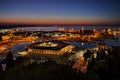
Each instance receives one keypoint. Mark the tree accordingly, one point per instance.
(9, 59)
(0, 36)
(87, 54)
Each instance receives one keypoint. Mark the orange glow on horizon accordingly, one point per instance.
(54, 21)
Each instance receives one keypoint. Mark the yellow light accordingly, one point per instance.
(109, 30)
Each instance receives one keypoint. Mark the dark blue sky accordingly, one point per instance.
(60, 11)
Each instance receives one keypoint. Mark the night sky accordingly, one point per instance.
(60, 11)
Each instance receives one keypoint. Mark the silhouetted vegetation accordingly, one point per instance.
(0, 36)
(101, 68)
(43, 71)
(105, 67)
(9, 60)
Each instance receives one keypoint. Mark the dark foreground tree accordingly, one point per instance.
(0, 36)
(9, 59)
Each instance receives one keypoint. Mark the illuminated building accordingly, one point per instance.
(5, 37)
(49, 49)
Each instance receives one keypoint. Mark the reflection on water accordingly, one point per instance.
(112, 43)
(19, 47)
(82, 45)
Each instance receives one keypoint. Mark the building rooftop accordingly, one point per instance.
(48, 45)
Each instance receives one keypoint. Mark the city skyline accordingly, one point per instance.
(60, 11)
